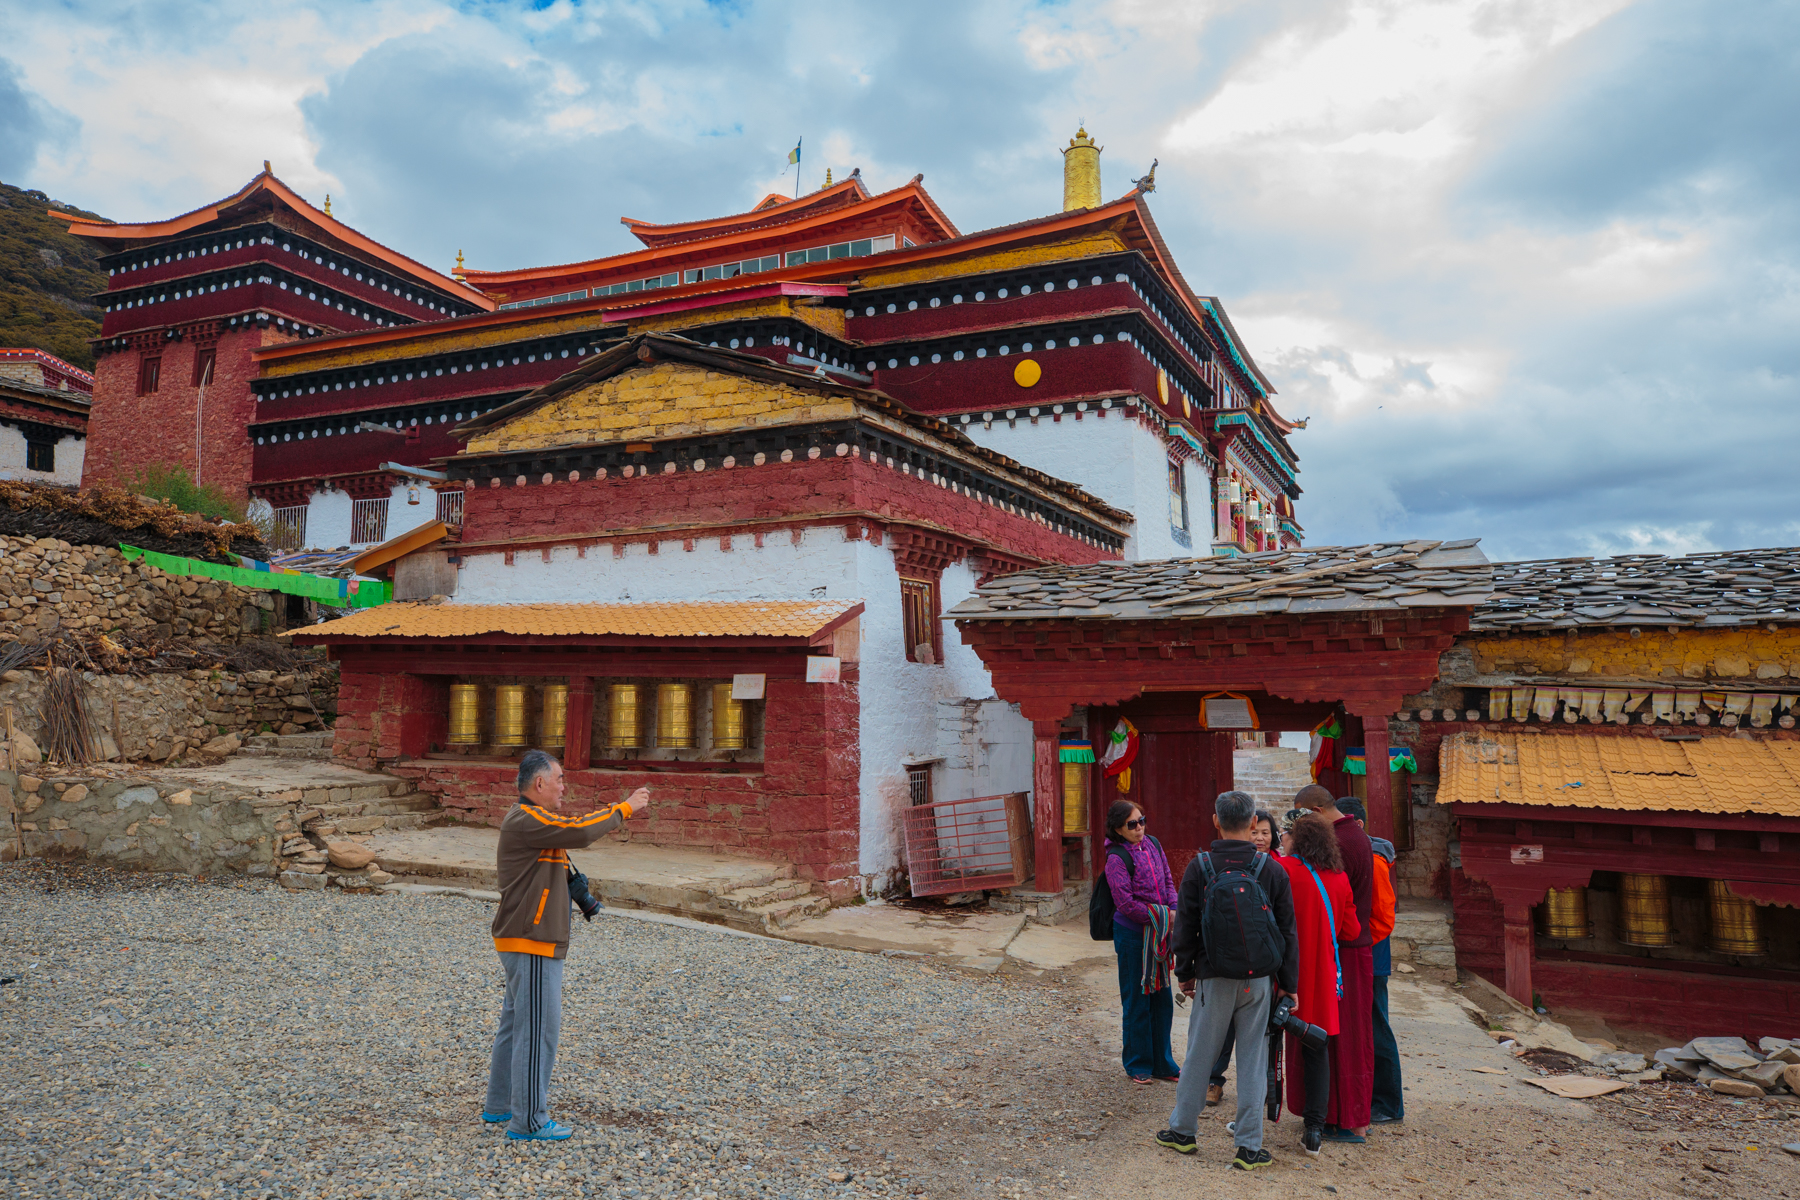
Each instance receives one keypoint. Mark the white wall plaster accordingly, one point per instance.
(1115, 458)
(328, 517)
(71, 450)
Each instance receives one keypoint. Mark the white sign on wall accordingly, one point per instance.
(822, 670)
(748, 687)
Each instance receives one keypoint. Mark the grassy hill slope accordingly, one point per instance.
(46, 279)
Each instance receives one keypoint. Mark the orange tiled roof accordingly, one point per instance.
(732, 618)
(1712, 775)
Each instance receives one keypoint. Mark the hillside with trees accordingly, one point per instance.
(47, 279)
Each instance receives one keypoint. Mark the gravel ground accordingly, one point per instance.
(171, 1037)
(167, 1036)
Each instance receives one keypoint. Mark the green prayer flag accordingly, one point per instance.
(323, 588)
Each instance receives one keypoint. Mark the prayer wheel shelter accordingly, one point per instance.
(1181, 655)
(1614, 744)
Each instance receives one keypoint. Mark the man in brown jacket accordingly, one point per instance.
(531, 932)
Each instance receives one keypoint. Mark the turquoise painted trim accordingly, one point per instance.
(1231, 345)
(1192, 441)
(1243, 418)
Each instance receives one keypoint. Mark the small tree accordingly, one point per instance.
(175, 485)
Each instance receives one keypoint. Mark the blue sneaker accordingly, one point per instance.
(496, 1118)
(554, 1131)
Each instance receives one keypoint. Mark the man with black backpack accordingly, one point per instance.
(1234, 943)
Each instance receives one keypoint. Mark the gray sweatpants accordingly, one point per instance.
(525, 1045)
(1221, 1004)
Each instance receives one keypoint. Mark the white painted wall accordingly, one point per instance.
(328, 517)
(1116, 459)
(71, 449)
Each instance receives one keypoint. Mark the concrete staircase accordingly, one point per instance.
(1423, 932)
(1272, 774)
(288, 745)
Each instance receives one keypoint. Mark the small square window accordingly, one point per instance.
(817, 253)
(860, 248)
(204, 363)
(40, 456)
(918, 784)
(149, 376)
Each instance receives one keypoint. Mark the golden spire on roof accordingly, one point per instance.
(328, 204)
(1081, 171)
(267, 170)
(827, 176)
(458, 272)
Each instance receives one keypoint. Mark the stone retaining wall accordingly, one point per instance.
(160, 717)
(48, 585)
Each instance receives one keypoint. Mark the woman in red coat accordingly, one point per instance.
(1324, 915)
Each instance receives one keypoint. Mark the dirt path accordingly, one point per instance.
(1039, 1112)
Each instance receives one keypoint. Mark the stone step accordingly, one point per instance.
(1044, 908)
(768, 893)
(781, 914)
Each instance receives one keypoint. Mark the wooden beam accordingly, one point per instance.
(1046, 786)
(1521, 949)
(578, 726)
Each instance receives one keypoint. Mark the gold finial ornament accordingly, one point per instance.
(267, 170)
(328, 204)
(458, 272)
(827, 176)
(1081, 171)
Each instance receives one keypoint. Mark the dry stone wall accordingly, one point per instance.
(161, 717)
(49, 586)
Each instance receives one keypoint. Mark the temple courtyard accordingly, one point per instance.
(171, 1037)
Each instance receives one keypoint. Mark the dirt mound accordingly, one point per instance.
(106, 516)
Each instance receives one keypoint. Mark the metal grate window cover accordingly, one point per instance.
(964, 845)
(289, 528)
(450, 508)
(368, 521)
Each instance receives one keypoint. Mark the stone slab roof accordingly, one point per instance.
(1734, 587)
(1383, 576)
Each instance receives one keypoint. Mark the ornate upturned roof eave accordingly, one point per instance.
(1717, 590)
(1382, 577)
(271, 192)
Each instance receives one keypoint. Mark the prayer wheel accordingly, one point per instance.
(556, 715)
(1565, 913)
(625, 715)
(675, 715)
(511, 728)
(465, 714)
(1644, 911)
(1075, 797)
(728, 731)
(1736, 923)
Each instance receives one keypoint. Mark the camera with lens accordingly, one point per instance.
(1282, 1018)
(583, 899)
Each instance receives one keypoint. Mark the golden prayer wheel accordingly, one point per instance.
(625, 715)
(1736, 924)
(556, 714)
(510, 726)
(728, 731)
(675, 715)
(1644, 911)
(465, 714)
(1074, 797)
(1565, 913)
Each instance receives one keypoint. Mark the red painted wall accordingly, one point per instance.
(127, 432)
(987, 385)
(803, 807)
(719, 496)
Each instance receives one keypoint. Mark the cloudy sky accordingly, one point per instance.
(1532, 269)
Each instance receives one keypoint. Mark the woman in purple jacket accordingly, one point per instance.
(1144, 895)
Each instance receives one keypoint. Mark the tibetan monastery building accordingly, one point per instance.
(327, 373)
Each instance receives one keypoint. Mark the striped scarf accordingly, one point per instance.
(1156, 950)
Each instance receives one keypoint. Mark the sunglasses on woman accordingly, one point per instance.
(1136, 823)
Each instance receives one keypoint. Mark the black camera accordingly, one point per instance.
(584, 899)
(1282, 1018)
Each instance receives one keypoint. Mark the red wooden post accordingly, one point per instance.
(578, 723)
(1521, 949)
(1046, 790)
(1379, 788)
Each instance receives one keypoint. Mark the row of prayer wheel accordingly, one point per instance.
(627, 708)
(1736, 925)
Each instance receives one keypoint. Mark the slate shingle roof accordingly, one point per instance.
(1735, 587)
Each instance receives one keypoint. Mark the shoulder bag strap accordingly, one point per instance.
(1331, 920)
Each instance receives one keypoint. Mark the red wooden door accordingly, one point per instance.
(1175, 780)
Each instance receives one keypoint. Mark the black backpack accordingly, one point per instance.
(1237, 927)
(1100, 904)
